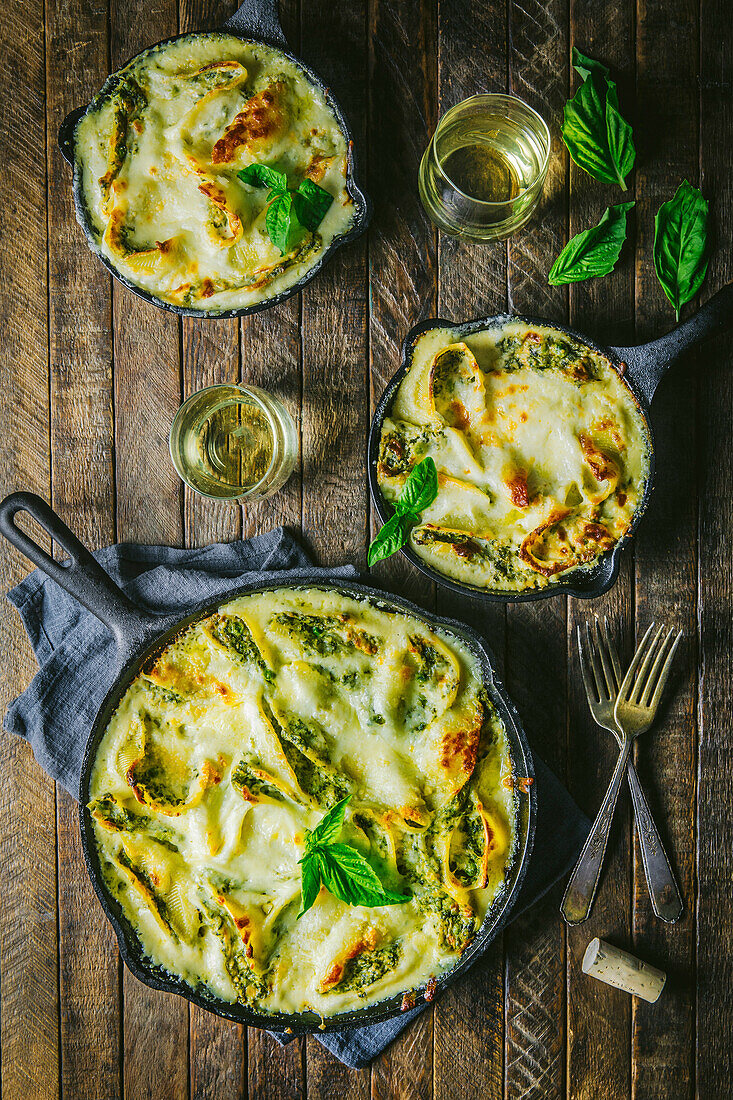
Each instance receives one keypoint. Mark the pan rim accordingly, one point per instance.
(362, 202)
(588, 584)
(390, 1008)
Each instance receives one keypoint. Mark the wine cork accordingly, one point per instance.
(624, 971)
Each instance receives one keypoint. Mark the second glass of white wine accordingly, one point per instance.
(482, 174)
(233, 443)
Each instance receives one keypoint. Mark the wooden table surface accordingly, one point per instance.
(90, 378)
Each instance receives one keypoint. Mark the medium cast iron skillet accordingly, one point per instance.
(254, 21)
(641, 369)
(141, 634)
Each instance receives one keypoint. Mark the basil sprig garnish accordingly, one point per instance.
(307, 205)
(598, 137)
(593, 252)
(418, 493)
(681, 245)
(340, 868)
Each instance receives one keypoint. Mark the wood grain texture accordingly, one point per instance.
(469, 1032)
(402, 241)
(472, 280)
(599, 1020)
(402, 279)
(82, 446)
(275, 1072)
(29, 1044)
(90, 377)
(335, 414)
(149, 509)
(218, 1057)
(536, 649)
(334, 322)
(666, 552)
(714, 1051)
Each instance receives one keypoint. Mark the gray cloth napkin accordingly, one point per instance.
(78, 662)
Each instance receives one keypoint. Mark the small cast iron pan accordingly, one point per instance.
(254, 21)
(640, 368)
(141, 634)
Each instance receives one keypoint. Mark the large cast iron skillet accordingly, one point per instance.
(641, 369)
(254, 21)
(139, 635)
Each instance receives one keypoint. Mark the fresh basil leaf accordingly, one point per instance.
(680, 245)
(311, 204)
(587, 65)
(278, 221)
(329, 827)
(420, 489)
(261, 175)
(418, 493)
(598, 137)
(390, 538)
(349, 877)
(593, 252)
(310, 878)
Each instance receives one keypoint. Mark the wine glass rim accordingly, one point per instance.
(255, 394)
(496, 96)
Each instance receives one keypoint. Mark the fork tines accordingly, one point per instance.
(600, 668)
(647, 674)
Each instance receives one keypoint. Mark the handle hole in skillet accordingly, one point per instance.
(40, 536)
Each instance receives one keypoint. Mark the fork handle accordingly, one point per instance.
(583, 883)
(663, 890)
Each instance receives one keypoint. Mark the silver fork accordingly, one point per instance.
(638, 697)
(602, 677)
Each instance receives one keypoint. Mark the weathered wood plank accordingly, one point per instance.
(149, 509)
(536, 649)
(29, 1048)
(82, 444)
(275, 1072)
(403, 262)
(469, 1032)
(666, 557)
(405, 1070)
(472, 280)
(210, 349)
(402, 242)
(271, 359)
(218, 1057)
(335, 385)
(598, 1018)
(334, 323)
(328, 1077)
(714, 1052)
(210, 355)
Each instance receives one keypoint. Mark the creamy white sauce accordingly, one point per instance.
(395, 752)
(152, 219)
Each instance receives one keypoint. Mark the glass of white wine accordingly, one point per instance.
(482, 174)
(233, 443)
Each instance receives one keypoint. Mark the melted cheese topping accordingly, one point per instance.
(233, 744)
(159, 150)
(541, 450)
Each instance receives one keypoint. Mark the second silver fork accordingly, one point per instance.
(602, 678)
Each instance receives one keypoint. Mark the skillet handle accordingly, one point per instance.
(648, 362)
(84, 578)
(258, 19)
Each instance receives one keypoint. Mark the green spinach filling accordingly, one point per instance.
(367, 968)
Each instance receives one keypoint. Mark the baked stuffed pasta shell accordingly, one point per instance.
(541, 450)
(159, 151)
(232, 745)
